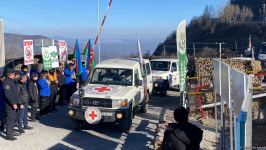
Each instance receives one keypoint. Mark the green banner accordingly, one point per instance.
(46, 57)
(182, 54)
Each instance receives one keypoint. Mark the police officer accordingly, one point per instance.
(11, 103)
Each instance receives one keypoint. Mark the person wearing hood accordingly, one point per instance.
(24, 101)
(182, 135)
(34, 96)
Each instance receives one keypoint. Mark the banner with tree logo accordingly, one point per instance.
(46, 57)
(54, 56)
(182, 54)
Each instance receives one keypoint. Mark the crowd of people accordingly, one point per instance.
(40, 92)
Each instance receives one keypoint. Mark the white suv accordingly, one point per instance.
(115, 91)
(167, 70)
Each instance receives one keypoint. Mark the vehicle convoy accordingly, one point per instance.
(165, 75)
(114, 93)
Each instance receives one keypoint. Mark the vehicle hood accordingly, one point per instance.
(104, 91)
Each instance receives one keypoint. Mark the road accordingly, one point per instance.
(54, 131)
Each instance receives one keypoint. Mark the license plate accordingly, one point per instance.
(109, 114)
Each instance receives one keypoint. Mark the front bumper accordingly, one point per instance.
(108, 115)
(159, 86)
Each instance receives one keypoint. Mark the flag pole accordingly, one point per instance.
(98, 15)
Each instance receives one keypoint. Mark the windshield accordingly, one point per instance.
(160, 65)
(112, 76)
(263, 49)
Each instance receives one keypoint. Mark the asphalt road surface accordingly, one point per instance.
(54, 131)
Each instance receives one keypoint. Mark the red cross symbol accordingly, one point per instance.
(102, 89)
(92, 115)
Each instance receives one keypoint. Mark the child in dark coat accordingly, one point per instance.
(34, 96)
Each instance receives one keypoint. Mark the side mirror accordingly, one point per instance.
(81, 92)
(138, 82)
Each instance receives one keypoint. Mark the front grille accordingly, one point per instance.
(97, 102)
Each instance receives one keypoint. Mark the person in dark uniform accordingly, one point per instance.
(34, 97)
(182, 135)
(11, 103)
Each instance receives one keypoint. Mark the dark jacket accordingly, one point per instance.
(34, 93)
(44, 88)
(2, 97)
(23, 93)
(11, 91)
(182, 136)
(61, 79)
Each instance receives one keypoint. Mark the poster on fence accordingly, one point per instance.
(225, 85)
(28, 52)
(238, 86)
(54, 56)
(216, 76)
(46, 57)
(62, 47)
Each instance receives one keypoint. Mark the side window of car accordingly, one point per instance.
(174, 68)
(148, 68)
(144, 70)
(136, 74)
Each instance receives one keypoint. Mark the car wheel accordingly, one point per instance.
(144, 106)
(76, 124)
(164, 93)
(127, 121)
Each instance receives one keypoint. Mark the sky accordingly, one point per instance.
(151, 20)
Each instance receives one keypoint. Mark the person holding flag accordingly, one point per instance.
(86, 65)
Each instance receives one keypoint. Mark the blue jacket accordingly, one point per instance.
(2, 97)
(44, 88)
(84, 74)
(68, 77)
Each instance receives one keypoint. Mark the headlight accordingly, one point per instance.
(74, 100)
(119, 103)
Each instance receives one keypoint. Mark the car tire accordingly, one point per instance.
(127, 120)
(144, 106)
(76, 124)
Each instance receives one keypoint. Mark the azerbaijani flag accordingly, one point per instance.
(92, 58)
(87, 53)
(78, 64)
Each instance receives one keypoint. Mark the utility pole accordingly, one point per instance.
(163, 50)
(236, 46)
(194, 50)
(98, 15)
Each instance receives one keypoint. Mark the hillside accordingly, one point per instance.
(14, 44)
(234, 31)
